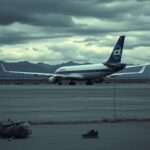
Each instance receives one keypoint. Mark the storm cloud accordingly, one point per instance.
(73, 30)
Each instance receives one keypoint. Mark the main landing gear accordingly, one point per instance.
(60, 83)
(89, 82)
(72, 83)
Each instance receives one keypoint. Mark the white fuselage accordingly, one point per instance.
(91, 71)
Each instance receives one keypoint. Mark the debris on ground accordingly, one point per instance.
(11, 129)
(91, 134)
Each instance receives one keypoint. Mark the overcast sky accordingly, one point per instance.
(56, 31)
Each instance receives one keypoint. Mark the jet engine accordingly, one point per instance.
(53, 79)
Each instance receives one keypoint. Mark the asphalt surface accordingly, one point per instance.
(78, 103)
(55, 103)
(115, 136)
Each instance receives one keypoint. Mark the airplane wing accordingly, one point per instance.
(61, 76)
(129, 73)
(133, 66)
(27, 73)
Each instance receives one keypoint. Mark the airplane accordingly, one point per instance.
(89, 72)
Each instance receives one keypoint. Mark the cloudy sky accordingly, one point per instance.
(56, 31)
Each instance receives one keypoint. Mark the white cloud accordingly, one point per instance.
(83, 31)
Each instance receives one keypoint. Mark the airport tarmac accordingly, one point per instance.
(74, 103)
(78, 103)
(116, 136)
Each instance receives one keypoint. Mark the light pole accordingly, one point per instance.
(114, 97)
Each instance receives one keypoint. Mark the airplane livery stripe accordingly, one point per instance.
(84, 71)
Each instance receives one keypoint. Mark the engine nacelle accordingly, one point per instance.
(53, 80)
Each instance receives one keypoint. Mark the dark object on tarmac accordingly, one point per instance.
(91, 134)
(11, 129)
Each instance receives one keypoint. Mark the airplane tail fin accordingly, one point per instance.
(115, 57)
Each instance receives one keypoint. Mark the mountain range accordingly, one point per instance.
(31, 67)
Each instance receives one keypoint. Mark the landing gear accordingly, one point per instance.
(60, 83)
(72, 83)
(101, 80)
(89, 82)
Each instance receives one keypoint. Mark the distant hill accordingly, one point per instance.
(26, 66)
(53, 68)
(31, 67)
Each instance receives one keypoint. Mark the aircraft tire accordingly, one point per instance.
(72, 83)
(59, 83)
(89, 83)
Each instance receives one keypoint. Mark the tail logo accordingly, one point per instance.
(117, 51)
